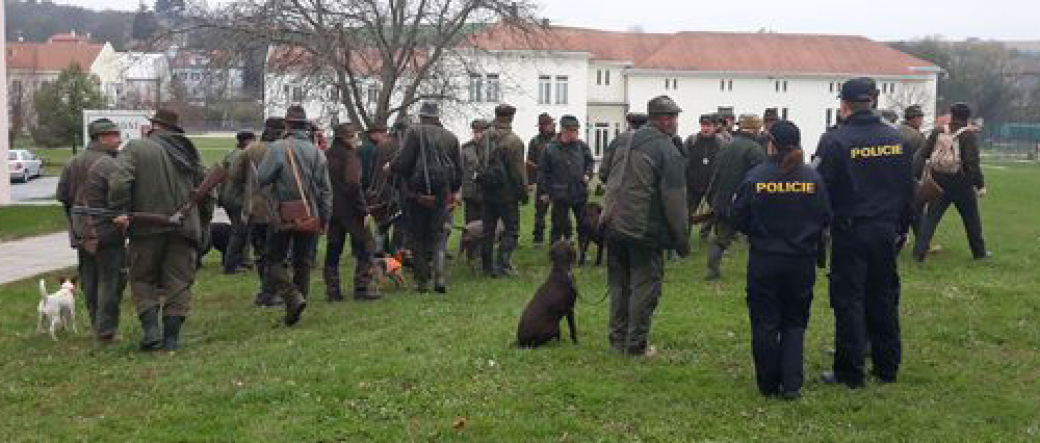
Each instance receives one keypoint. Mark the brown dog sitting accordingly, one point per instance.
(554, 300)
(588, 232)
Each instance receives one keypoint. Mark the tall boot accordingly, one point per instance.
(714, 260)
(505, 265)
(294, 306)
(332, 288)
(302, 280)
(152, 339)
(439, 284)
(171, 332)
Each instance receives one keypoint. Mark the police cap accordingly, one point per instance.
(861, 89)
(707, 119)
(662, 104)
(785, 135)
(102, 126)
(771, 115)
(505, 110)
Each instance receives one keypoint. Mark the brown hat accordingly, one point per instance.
(750, 123)
(504, 110)
(295, 113)
(167, 118)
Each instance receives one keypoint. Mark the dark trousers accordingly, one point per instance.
(561, 219)
(540, 211)
(359, 246)
(779, 295)
(634, 276)
(962, 195)
(426, 235)
(280, 244)
(508, 212)
(864, 292)
(239, 241)
(258, 239)
(474, 210)
(102, 279)
(162, 271)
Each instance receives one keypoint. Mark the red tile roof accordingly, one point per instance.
(717, 51)
(56, 54)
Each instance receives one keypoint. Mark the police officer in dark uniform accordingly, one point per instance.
(783, 208)
(866, 167)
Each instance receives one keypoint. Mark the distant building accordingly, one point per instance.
(31, 65)
(142, 81)
(207, 75)
(599, 76)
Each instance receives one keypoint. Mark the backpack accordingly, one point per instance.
(491, 172)
(435, 172)
(946, 157)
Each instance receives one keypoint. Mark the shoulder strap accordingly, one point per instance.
(296, 173)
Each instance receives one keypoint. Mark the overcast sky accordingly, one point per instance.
(877, 19)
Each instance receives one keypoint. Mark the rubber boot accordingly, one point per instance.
(302, 280)
(332, 288)
(152, 339)
(171, 332)
(714, 260)
(505, 265)
(294, 307)
(438, 271)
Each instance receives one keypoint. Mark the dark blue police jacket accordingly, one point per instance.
(782, 213)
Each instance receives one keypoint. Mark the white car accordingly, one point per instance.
(23, 165)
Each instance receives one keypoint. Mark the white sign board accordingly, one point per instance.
(133, 124)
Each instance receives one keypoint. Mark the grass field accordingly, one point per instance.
(24, 221)
(438, 368)
(212, 150)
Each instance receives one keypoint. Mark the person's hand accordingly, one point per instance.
(585, 179)
(122, 221)
(980, 192)
(544, 198)
(386, 168)
(530, 189)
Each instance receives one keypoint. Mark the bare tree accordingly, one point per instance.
(375, 57)
(909, 94)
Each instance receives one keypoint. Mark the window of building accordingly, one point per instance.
(494, 89)
(373, 93)
(599, 76)
(561, 89)
(606, 77)
(783, 113)
(729, 85)
(726, 85)
(830, 112)
(298, 94)
(780, 85)
(602, 137)
(544, 90)
(722, 85)
(476, 87)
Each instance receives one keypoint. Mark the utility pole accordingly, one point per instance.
(5, 115)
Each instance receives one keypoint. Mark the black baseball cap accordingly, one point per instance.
(860, 89)
(785, 135)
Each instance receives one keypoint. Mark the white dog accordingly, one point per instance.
(58, 309)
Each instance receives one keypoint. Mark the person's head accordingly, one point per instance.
(857, 95)
(914, 116)
(430, 113)
(296, 119)
(785, 146)
(166, 120)
(378, 134)
(569, 127)
(664, 114)
(960, 114)
(478, 127)
(636, 120)
(345, 133)
(244, 138)
(769, 117)
(889, 115)
(504, 114)
(707, 122)
(750, 124)
(274, 127)
(105, 132)
(546, 125)
(727, 121)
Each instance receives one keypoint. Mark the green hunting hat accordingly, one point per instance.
(662, 105)
(102, 126)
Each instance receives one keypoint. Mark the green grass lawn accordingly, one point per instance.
(439, 368)
(211, 149)
(25, 221)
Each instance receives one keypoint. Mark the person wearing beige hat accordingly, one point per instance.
(732, 163)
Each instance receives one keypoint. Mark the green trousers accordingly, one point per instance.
(634, 274)
(102, 279)
(162, 271)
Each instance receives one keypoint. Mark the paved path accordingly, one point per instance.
(31, 256)
(40, 188)
(35, 255)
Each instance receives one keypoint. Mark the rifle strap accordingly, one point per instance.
(296, 174)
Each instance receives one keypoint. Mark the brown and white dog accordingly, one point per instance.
(57, 309)
(472, 237)
(554, 300)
